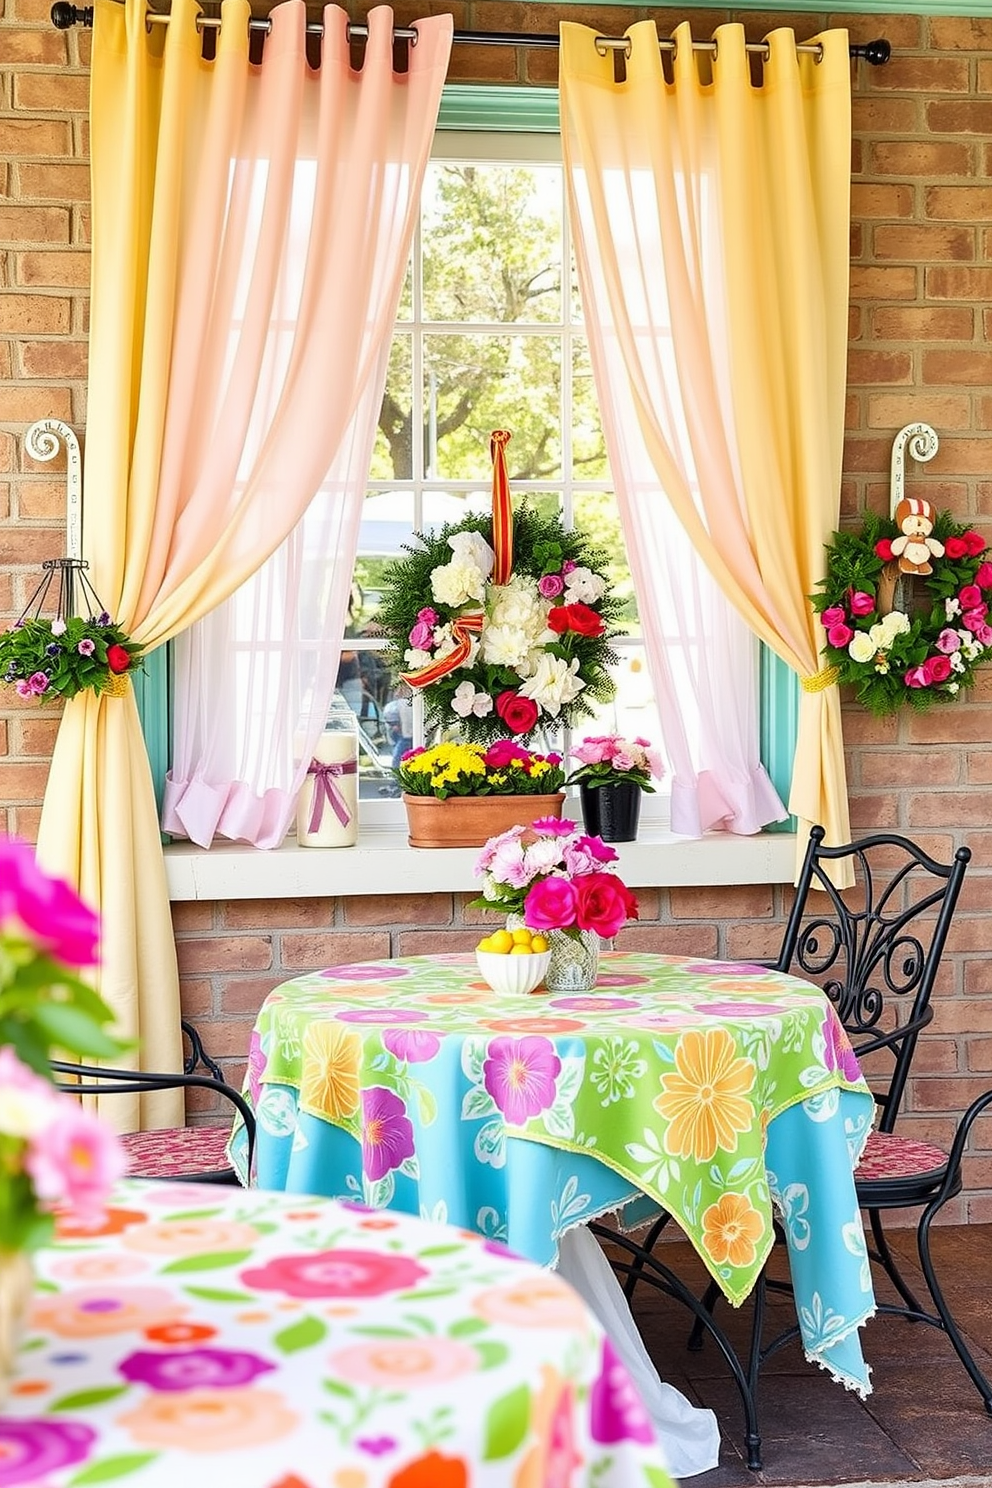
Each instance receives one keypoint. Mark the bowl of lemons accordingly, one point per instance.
(514, 962)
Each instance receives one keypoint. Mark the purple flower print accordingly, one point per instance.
(415, 1045)
(615, 1410)
(368, 972)
(31, 1449)
(378, 1015)
(520, 1075)
(193, 1369)
(376, 1445)
(725, 968)
(838, 1054)
(738, 1009)
(387, 1135)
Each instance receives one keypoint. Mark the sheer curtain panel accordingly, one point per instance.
(224, 389)
(710, 215)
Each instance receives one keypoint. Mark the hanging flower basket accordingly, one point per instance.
(502, 623)
(45, 659)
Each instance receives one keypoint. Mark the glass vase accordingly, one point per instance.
(574, 961)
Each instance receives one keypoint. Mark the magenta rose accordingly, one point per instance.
(937, 668)
(984, 634)
(983, 578)
(335, 1273)
(47, 907)
(550, 585)
(916, 677)
(839, 636)
(860, 602)
(605, 904)
(422, 636)
(32, 1447)
(970, 596)
(974, 541)
(973, 620)
(955, 547)
(518, 713)
(551, 904)
(884, 549)
(836, 615)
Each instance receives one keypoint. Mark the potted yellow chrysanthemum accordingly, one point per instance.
(461, 794)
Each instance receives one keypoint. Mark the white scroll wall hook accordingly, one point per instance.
(42, 443)
(922, 442)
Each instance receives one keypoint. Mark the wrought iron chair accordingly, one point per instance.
(189, 1154)
(875, 949)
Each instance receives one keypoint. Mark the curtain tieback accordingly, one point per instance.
(325, 789)
(821, 680)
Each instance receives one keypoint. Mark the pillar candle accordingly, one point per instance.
(328, 795)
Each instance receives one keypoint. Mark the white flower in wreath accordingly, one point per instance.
(861, 647)
(952, 607)
(895, 623)
(416, 660)
(505, 645)
(472, 548)
(972, 648)
(519, 604)
(958, 663)
(455, 583)
(953, 687)
(555, 682)
(584, 586)
(466, 702)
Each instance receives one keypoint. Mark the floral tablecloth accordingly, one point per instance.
(711, 1088)
(206, 1336)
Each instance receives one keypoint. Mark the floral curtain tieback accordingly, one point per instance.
(80, 647)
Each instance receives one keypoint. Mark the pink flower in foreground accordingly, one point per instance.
(586, 854)
(551, 904)
(916, 677)
(836, 615)
(520, 1076)
(550, 585)
(604, 904)
(86, 647)
(554, 826)
(75, 1160)
(970, 596)
(948, 641)
(46, 907)
(860, 602)
(422, 636)
(839, 636)
(38, 683)
(937, 668)
(428, 615)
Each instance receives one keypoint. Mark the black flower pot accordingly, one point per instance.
(611, 811)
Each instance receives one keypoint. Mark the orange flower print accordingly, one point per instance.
(94, 1312)
(703, 1101)
(731, 1229)
(541, 1301)
(433, 1470)
(69, 1226)
(332, 1058)
(181, 1237)
(210, 1420)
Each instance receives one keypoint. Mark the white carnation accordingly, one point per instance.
(455, 583)
(415, 659)
(504, 645)
(895, 623)
(519, 604)
(554, 683)
(583, 585)
(471, 549)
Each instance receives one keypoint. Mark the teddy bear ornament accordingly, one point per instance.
(914, 547)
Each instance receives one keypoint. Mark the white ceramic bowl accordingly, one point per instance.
(514, 975)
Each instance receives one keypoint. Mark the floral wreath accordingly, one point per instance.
(894, 656)
(502, 622)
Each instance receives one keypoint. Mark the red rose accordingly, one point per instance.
(955, 547)
(970, 596)
(884, 549)
(937, 668)
(117, 659)
(604, 904)
(518, 713)
(974, 541)
(983, 577)
(577, 617)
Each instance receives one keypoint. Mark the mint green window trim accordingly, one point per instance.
(507, 110)
(153, 694)
(778, 726)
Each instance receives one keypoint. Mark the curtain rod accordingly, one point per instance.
(65, 14)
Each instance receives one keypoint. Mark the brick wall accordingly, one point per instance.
(921, 315)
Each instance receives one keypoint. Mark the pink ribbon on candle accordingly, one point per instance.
(324, 789)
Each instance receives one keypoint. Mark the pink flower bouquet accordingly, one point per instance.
(52, 1152)
(555, 876)
(606, 759)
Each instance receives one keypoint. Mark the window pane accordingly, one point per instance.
(492, 243)
(597, 515)
(392, 455)
(588, 444)
(475, 384)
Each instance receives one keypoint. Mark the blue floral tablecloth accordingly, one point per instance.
(717, 1090)
(202, 1337)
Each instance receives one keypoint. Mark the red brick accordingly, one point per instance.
(55, 270)
(299, 953)
(942, 411)
(923, 322)
(435, 942)
(35, 137)
(63, 181)
(227, 953)
(919, 244)
(868, 367)
(54, 92)
(970, 368)
(671, 940)
(888, 282)
(958, 283)
(189, 916)
(920, 158)
(277, 914)
(37, 315)
(398, 909)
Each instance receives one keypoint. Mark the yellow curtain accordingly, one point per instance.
(192, 160)
(752, 460)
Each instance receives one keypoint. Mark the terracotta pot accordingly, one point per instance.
(469, 821)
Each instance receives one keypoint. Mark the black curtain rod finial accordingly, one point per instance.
(877, 53)
(66, 15)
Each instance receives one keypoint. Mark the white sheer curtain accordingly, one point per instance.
(703, 658)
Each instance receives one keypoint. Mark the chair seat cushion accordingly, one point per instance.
(888, 1156)
(177, 1152)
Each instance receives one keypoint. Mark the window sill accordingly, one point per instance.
(384, 863)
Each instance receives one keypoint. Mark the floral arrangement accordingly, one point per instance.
(52, 1151)
(606, 759)
(556, 877)
(504, 768)
(893, 657)
(48, 659)
(509, 657)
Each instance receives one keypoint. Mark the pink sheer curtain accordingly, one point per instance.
(281, 354)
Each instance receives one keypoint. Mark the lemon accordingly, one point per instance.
(521, 937)
(500, 941)
(539, 943)
(485, 945)
(520, 950)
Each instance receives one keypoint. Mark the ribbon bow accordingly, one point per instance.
(464, 627)
(325, 789)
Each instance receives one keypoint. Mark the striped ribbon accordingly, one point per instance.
(467, 626)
